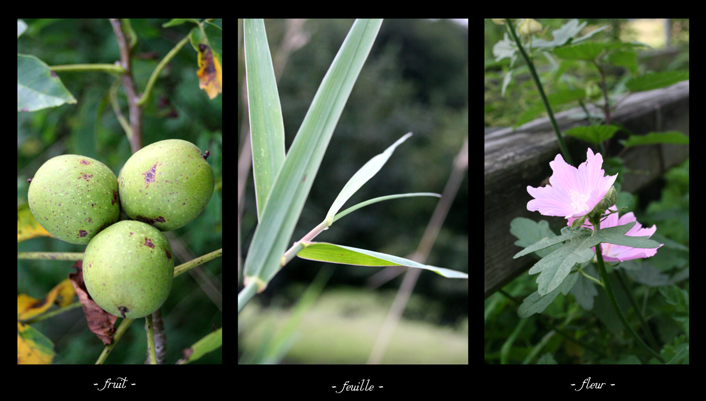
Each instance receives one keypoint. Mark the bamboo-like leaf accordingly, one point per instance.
(266, 125)
(293, 183)
(362, 176)
(380, 199)
(332, 253)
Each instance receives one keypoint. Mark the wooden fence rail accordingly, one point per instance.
(516, 159)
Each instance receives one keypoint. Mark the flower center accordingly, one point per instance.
(578, 201)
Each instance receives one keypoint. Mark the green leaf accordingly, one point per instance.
(594, 134)
(293, 183)
(562, 35)
(566, 235)
(555, 267)
(380, 199)
(529, 232)
(266, 125)
(674, 137)
(537, 303)
(585, 290)
(588, 51)
(624, 58)
(362, 176)
(38, 87)
(332, 253)
(656, 80)
(208, 343)
(616, 235)
(505, 48)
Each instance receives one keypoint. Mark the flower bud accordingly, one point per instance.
(609, 199)
(529, 27)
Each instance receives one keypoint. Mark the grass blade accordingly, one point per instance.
(295, 178)
(266, 125)
(332, 253)
(362, 176)
(380, 199)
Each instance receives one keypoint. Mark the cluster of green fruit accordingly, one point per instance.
(128, 265)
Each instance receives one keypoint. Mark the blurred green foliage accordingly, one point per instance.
(521, 94)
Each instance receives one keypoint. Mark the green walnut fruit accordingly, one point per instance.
(74, 197)
(128, 269)
(166, 184)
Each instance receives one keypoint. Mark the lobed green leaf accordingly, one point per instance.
(537, 303)
(616, 235)
(555, 267)
(549, 241)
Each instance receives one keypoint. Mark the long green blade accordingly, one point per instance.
(380, 199)
(332, 253)
(362, 176)
(294, 180)
(266, 125)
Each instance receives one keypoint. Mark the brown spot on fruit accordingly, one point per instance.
(158, 219)
(115, 197)
(82, 233)
(148, 242)
(29, 180)
(169, 255)
(84, 162)
(150, 174)
(206, 155)
(86, 176)
(123, 310)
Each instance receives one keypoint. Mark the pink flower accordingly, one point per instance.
(621, 253)
(572, 192)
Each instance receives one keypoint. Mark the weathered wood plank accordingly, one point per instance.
(514, 160)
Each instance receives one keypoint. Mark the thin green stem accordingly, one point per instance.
(150, 340)
(50, 255)
(155, 74)
(590, 278)
(110, 68)
(246, 294)
(183, 268)
(645, 328)
(124, 325)
(616, 308)
(535, 77)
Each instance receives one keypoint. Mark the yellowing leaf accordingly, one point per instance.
(209, 73)
(27, 225)
(33, 347)
(28, 307)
